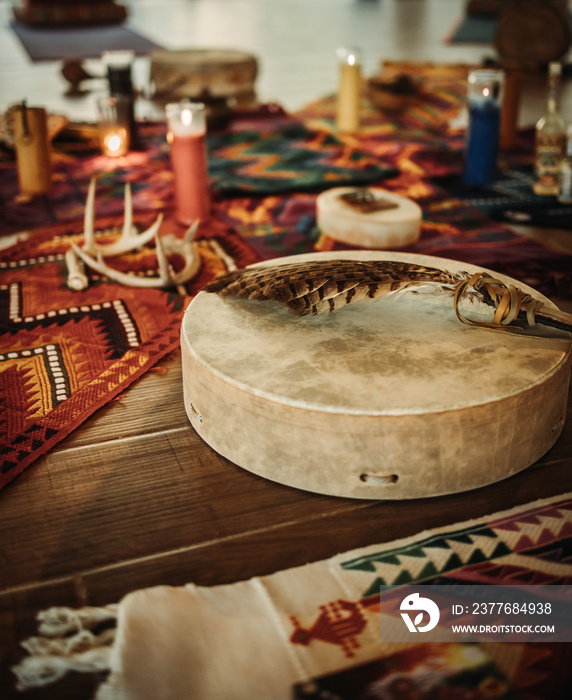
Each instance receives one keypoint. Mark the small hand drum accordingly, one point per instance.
(388, 399)
(531, 33)
(368, 217)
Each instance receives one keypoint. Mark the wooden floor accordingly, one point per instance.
(135, 498)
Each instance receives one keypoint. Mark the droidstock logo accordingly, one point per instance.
(415, 604)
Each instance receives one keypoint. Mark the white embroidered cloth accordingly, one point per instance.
(257, 638)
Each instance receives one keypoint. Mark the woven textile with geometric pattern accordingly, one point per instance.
(257, 155)
(289, 159)
(64, 354)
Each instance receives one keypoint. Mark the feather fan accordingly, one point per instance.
(323, 286)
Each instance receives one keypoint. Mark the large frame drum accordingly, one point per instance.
(387, 400)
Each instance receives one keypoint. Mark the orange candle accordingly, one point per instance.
(187, 136)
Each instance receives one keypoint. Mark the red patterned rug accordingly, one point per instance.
(63, 353)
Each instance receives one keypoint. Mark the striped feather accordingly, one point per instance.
(323, 286)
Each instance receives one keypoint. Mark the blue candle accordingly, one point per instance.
(482, 140)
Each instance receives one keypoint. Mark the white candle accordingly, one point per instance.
(349, 90)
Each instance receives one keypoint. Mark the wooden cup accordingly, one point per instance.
(32, 150)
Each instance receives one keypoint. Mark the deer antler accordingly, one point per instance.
(92, 254)
(186, 248)
(167, 277)
(130, 239)
(77, 279)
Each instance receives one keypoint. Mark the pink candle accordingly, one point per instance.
(187, 136)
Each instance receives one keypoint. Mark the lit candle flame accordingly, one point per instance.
(114, 143)
(351, 60)
(486, 92)
(186, 117)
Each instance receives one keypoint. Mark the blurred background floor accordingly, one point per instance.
(294, 40)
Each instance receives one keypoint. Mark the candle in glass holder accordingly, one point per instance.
(113, 130)
(118, 65)
(482, 139)
(187, 137)
(347, 116)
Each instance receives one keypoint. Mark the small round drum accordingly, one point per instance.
(203, 74)
(383, 219)
(389, 399)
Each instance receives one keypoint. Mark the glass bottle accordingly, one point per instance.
(565, 179)
(550, 138)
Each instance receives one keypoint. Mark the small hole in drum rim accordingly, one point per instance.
(376, 479)
(196, 413)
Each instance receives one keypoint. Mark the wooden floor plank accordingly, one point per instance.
(263, 551)
(115, 504)
(151, 403)
(129, 497)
